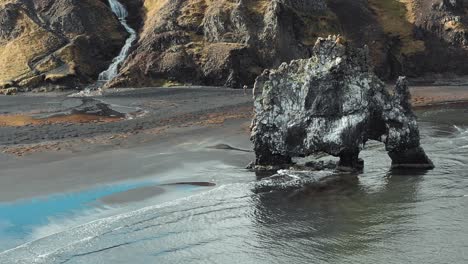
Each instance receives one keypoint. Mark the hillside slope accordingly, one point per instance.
(56, 42)
(230, 42)
(223, 42)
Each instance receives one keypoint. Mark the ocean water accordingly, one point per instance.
(377, 216)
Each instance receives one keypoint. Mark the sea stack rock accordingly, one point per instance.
(333, 103)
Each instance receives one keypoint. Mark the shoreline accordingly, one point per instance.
(427, 96)
(154, 112)
(173, 115)
(132, 110)
(48, 158)
(185, 145)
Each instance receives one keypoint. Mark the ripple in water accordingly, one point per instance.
(379, 216)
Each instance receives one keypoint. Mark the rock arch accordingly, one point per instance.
(333, 102)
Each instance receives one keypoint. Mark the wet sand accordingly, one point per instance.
(18, 120)
(162, 129)
(133, 195)
(69, 154)
(423, 96)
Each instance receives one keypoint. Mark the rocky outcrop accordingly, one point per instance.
(229, 42)
(442, 26)
(333, 103)
(222, 42)
(444, 19)
(56, 42)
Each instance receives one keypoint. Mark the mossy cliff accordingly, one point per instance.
(230, 42)
(222, 42)
(56, 42)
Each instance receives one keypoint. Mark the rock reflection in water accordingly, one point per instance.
(337, 218)
(378, 216)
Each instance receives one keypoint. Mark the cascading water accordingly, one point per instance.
(94, 90)
(122, 14)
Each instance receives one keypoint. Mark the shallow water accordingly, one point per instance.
(379, 216)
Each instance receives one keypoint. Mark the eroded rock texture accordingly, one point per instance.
(440, 26)
(230, 42)
(221, 42)
(334, 103)
(57, 42)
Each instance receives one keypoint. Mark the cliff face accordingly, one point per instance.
(224, 42)
(56, 41)
(229, 42)
(442, 26)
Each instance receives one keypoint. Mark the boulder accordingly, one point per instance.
(9, 91)
(334, 103)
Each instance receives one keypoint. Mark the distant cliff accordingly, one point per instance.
(58, 42)
(223, 42)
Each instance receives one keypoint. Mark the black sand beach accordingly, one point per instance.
(156, 120)
(170, 161)
(121, 120)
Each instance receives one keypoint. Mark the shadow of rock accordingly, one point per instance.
(339, 214)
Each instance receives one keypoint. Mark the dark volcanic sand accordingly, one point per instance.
(177, 142)
(159, 117)
(147, 109)
(57, 157)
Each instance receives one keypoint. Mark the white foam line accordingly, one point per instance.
(109, 220)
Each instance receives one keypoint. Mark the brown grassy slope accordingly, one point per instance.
(220, 42)
(56, 40)
(33, 41)
(396, 19)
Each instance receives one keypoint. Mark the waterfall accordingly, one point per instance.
(119, 10)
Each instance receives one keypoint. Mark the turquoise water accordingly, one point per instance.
(378, 216)
(19, 219)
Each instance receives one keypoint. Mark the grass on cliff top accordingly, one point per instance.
(153, 6)
(411, 6)
(4, 2)
(395, 17)
(192, 13)
(259, 7)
